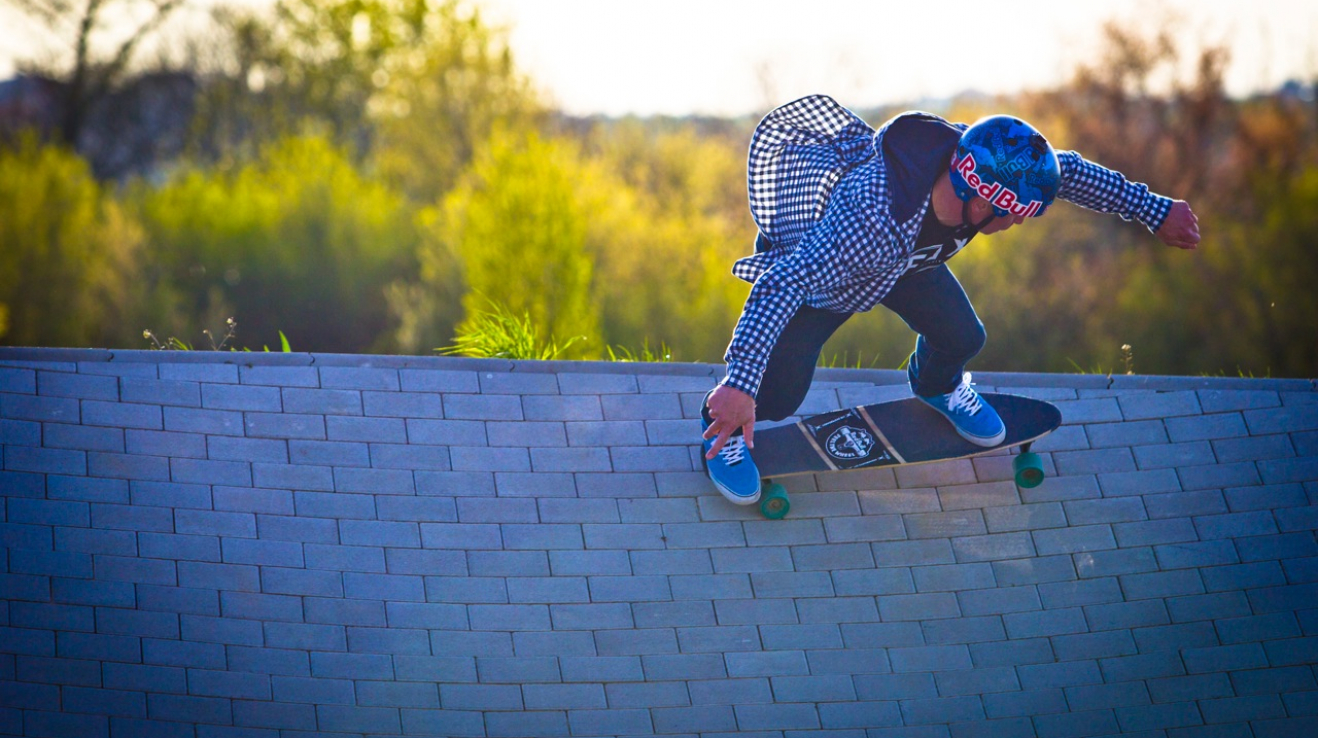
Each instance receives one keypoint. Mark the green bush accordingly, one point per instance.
(516, 229)
(297, 240)
(68, 252)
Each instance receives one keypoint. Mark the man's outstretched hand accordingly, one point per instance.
(731, 409)
(1181, 228)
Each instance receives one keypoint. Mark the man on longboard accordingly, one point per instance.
(850, 218)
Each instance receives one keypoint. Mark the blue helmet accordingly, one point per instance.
(1007, 162)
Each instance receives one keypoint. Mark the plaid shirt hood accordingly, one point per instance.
(823, 194)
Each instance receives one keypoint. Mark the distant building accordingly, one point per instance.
(1297, 90)
(134, 129)
(28, 102)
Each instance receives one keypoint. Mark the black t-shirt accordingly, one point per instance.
(937, 243)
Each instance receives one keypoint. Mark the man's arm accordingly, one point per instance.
(1095, 187)
(773, 301)
(847, 241)
(1104, 190)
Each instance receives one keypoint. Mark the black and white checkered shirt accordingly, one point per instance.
(819, 192)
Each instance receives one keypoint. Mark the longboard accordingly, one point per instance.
(892, 433)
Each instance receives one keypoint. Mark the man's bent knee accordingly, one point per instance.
(975, 339)
(963, 345)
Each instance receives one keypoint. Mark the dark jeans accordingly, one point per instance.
(932, 303)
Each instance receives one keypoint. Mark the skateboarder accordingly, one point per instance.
(850, 218)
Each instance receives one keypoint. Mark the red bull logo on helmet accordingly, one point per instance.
(996, 193)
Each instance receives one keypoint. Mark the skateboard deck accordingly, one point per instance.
(893, 433)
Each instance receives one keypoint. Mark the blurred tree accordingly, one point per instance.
(296, 240)
(411, 85)
(1142, 109)
(369, 171)
(88, 74)
(68, 253)
(1246, 303)
(666, 225)
(437, 103)
(627, 238)
(303, 64)
(516, 228)
(1238, 303)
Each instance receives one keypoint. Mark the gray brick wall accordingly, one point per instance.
(294, 546)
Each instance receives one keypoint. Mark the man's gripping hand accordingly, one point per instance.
(730, 409)
(1181, 227)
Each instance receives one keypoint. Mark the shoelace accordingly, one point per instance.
(733, 451)
(964, 398)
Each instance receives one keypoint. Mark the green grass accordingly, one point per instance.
(646, 354)
(498, 333)
(174, 343)
(1240, 373)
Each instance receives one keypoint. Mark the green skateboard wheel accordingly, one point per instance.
(1029, 469)
(774, 503)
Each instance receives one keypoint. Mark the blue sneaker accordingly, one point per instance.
(732, 470)
(975, 420)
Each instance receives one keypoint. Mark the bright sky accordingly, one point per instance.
(739, 56)
(731, 57)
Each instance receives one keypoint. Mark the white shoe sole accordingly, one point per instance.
(735, 498)
(980, 440)
(731, 496)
